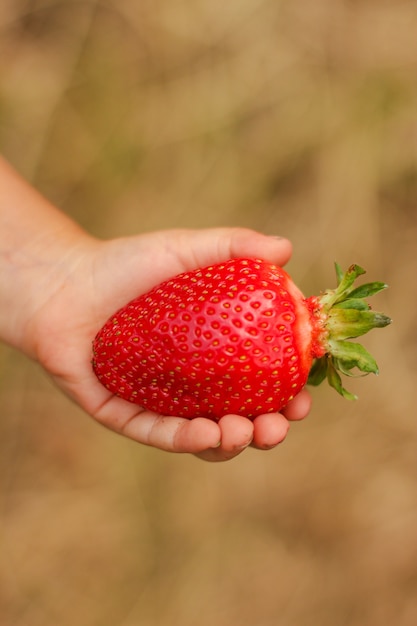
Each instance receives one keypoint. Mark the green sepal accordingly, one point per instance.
(344, 287)
(318, 371)
(353, 303)
(349, 323)
(354, 354)
(344, 366)
(345, 314)
(367, 290)
(347, 281)
(339, 273)
(335, 381)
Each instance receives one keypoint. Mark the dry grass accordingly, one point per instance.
(296, 118)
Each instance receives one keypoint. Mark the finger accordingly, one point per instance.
(270, 429)
(199, 248)
(173, 434)
(146, 260)
(236, 436)
(298, 408)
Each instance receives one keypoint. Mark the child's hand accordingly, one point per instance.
(101, 277)
(58, 286)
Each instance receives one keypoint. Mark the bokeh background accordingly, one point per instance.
(291, 117)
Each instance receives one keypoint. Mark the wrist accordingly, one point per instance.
(30, 276)
(39, 248)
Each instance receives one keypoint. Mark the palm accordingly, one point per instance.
(104, 278)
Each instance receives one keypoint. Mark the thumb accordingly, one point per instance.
(197, 248)
(134, 265)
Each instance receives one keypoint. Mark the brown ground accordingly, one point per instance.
(292, 117)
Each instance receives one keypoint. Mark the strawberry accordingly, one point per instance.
(238, 337)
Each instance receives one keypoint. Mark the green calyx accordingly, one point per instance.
(346, 315)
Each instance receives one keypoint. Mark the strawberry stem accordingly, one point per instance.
(346, 315)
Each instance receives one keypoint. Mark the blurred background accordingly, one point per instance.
(292, 117)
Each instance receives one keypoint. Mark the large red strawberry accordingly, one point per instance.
(237, 337)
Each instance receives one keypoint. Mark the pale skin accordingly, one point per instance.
(59, 284)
